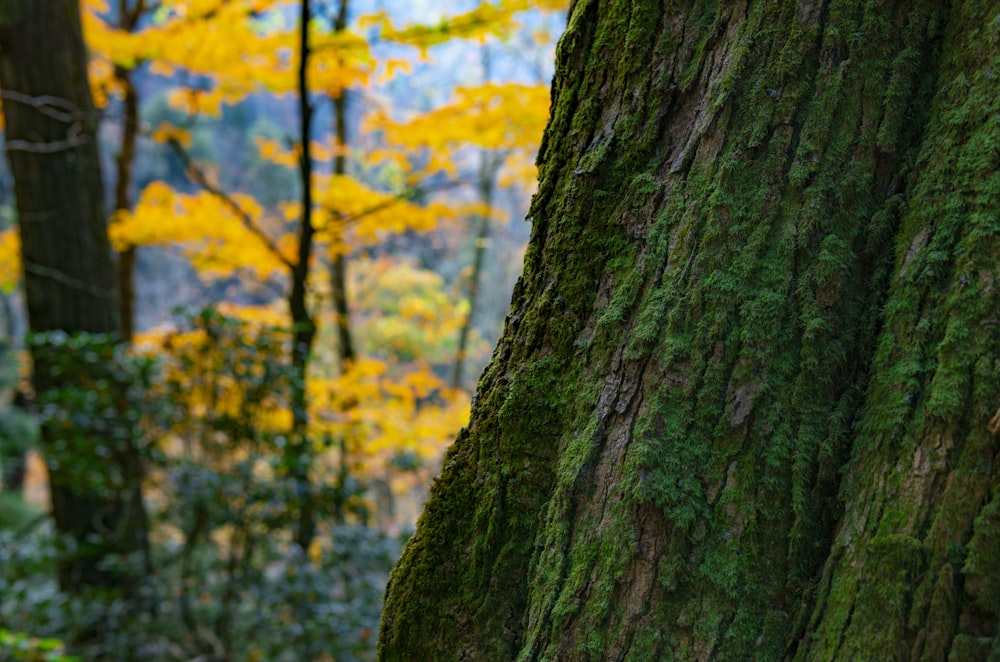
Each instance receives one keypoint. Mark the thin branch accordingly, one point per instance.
(199, 178)
(403, 196)
(129, 16)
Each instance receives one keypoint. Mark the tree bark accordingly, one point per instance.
(128, 19)
(338, 261)
(69, 277)
(745, 402)
(303, 324)
(125, 268)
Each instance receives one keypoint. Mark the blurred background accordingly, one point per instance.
(381, 208)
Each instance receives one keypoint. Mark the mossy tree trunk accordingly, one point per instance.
(744, 403)
(69, 281)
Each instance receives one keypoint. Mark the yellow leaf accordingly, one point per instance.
(10, 260)
(167, 132)
(216, 239)
(315, 552)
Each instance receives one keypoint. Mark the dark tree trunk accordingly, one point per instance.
(303, 325)
(338, 262)
(745, 403)
(123, 200)
(14, 461)
(69, 277)
(128, 19)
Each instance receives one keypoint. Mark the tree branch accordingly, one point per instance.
(199, 178)
(403, 196)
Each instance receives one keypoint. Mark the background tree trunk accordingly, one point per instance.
(303, 325)
(128, 20)
(338, 261)
(743, 405)
(69, 277)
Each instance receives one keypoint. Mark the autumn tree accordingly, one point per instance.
(69, 284)
(745, 403)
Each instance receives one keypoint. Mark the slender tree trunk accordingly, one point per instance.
(14, 460)
(304, 327)
(128, 20)
(341, 308)
(123, 201)
(69, 276)
(487, 172)
(124, 166)
(338, 287)
(745, 403)
(485, 182)
(338, 261)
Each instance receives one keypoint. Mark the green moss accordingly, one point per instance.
(982, 565)
(970, 648)
(930, 390)
(746, 282)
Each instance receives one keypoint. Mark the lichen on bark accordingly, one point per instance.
(738, 409)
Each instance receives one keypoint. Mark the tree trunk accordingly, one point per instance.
(128, 19)
(338, 261)
(303, 326)
(125, 269)
(487, 175)
(744, 403)
(485, 181)
(69, 276)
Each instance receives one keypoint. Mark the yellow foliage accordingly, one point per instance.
(405, 311)
(216, 239)
(234, 47)
(496, 19)
(519, 168)
(237, 47)
(288, 156)
(392, 67)
(167, 132)
(10, 260)
(315, 552)
(503, 116)
(290, 210)
(103, 82)
(274, 317)
(381, 415)
(275, 152)
(367, 214)
(492, 116)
